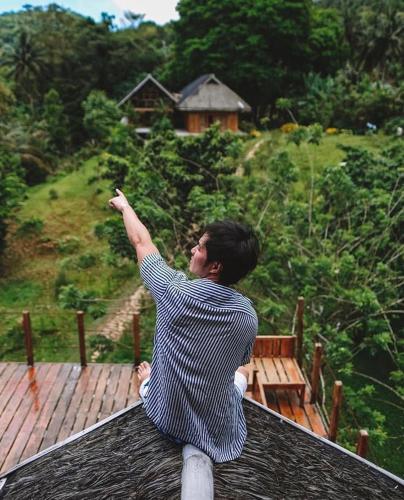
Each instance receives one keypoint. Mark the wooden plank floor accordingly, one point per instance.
(43, 405)
(286, 402)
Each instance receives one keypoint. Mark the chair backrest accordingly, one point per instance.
(274, 346)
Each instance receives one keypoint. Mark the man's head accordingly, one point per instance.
(227, 252)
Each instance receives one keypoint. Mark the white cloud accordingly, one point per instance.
(160, 11)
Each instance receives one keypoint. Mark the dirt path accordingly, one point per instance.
(114, 325)
(251, 153)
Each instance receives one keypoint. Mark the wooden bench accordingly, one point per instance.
(273, 358)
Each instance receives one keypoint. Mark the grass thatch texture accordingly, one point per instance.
(280, 461)
(128, 458)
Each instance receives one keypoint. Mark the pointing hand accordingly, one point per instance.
(119, 202)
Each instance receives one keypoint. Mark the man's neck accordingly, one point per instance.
(212, 277)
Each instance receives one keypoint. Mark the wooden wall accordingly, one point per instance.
(198, 121)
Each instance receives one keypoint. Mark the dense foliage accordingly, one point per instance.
(193, 174)
(332, 235)
(267, 47)
(341, 247)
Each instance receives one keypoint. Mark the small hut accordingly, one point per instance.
(201, 103)
(124, 456)
(149, 97)
(207, 100)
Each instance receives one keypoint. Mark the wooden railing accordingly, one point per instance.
(282, 347)
(26, 324)
(316, 375)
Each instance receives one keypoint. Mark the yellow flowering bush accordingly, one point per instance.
(255, 133)
(286, 128)
(331, 131)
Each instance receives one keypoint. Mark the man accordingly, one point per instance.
(204, 331)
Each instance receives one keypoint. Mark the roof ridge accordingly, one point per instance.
(151, 78)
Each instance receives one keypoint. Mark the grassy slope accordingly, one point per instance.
(326, 153)
(33, 263)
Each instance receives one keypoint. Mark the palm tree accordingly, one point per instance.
(374, 31)
(25, 64)
(382, 30)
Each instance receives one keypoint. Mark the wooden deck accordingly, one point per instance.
(43, 405)
(287, 402)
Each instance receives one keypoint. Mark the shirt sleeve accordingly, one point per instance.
(247, 354)
(250, 346)
(157, 275)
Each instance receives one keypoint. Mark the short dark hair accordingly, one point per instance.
(233, 245)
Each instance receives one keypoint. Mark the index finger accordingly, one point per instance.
(119, 192)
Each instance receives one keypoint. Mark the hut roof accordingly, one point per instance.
(124, 456)
(149, 78)
(208, 93)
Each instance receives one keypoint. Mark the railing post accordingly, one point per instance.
(82, 342)
(336, 406)
(26, 324)
(255, 387)
(136, 339)
(315, 372)
(300, 327)
(363, 442)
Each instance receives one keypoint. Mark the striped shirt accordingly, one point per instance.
(204, 332)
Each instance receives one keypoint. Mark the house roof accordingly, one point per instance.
(208, 93)
(149, 78)
(125, 456)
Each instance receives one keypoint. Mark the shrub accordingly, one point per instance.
(349, 101)
(246, 126)
(311, 134)
(100, 231)
(45, 326)
(30, 227)
(393, 125)
(71, 297)
(53, 194)
(97, 309)
(100, 115)
(86, 260)
(115, 168)
(68, 245)
(255, 133)
(101, 344)
(286, 128)
(13, 340)
(61, 281)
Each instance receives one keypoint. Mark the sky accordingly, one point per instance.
(160, 11)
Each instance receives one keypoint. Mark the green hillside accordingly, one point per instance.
(54, 244)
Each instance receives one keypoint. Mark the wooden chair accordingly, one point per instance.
(278, 369)
(257, 389)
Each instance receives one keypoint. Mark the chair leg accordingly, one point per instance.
(302, 392)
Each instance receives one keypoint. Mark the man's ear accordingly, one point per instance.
(216, 268)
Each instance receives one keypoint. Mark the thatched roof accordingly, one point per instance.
(208, 93)
(149, 78)
(125, 457)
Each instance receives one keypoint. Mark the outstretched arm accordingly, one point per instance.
(138, 234)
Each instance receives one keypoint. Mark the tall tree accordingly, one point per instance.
(259, 47)
(26, 65)
(374, 31)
